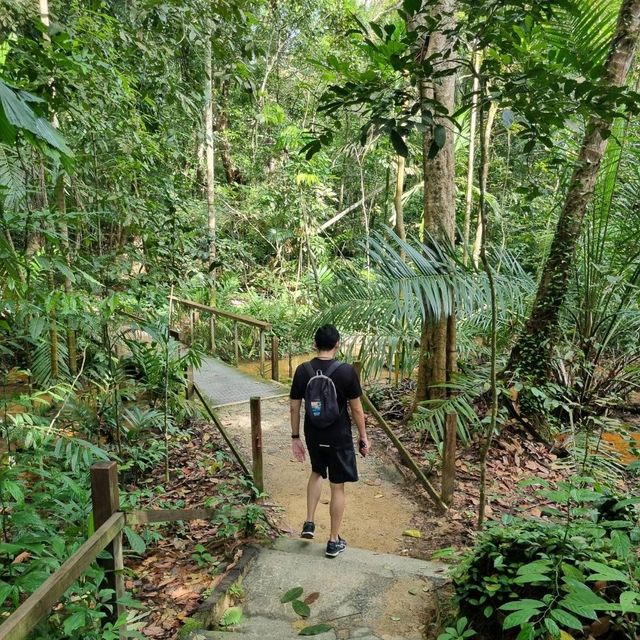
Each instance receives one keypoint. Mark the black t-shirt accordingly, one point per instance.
(348, 388)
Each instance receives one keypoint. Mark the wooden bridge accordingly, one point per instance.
(222, 383)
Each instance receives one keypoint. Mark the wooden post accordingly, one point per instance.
(262, 353)
(105, 498)
(256, 442)
(449, 458)
(396, 369)
(290, 365)
(191, 325)
(236, 342)
(212, 332)
(275, 358)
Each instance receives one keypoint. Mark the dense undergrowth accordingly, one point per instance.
(131, 409)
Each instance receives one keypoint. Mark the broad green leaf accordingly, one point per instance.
(14, 490)
(398, 143)
(292, 594)
(136, 543)
(74, 622)
(440, 136)
(531, 577)
(566, 619)
(628, 599)
(552, 628)
(526, 633)
(621, 544)
(605, 572)
(315, 629)
(301, 608)
(5, 591)
(582, 609)
(517, 618)
(522, 604)
(15, 109)
(537, 566)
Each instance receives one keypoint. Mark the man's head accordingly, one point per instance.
(327, 338)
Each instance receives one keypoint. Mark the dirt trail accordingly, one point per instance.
(377, 510)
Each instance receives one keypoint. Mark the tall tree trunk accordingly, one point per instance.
(59, 194)
(72, 343)
(472, 153)
(209, 146)
(532, 352)
(437, 347)
(484, 175)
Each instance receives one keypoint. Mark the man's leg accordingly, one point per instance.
(336, 509)
(314, 489)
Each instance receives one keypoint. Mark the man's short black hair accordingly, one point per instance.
(326, 337)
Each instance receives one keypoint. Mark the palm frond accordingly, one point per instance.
(581, 34)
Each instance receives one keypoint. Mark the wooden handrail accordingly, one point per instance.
(222, 431)
(225, 314)
(22, 621)
(18, 625)
(167, 515)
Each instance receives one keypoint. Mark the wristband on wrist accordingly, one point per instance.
(296, 435)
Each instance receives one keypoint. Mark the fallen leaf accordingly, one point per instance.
(21, 557)
(413, 591)
(312, 597)
(378, 495)
(153, 631)
(412, 533)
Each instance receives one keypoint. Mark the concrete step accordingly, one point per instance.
(363, 595)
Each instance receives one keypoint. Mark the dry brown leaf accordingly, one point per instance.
(312, 597)
(21, 557)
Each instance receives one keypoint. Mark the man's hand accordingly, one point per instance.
(364, 446)
(298, 449)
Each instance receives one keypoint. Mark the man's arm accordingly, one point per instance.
(296, 444)
(357, 413)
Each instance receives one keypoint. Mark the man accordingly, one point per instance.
(331, 448)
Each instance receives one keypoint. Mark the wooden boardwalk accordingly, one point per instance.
(223, 384)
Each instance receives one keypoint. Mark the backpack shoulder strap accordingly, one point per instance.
(309, 369)
(333, 368)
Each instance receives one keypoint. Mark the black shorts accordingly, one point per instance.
(340, 462)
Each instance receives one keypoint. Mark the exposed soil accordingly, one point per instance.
(379, 507)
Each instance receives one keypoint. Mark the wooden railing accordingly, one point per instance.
(109, 522)
(262, 327)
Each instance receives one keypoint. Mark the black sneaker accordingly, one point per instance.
(335, 548)
(308, 530)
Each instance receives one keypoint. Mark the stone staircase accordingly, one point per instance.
(362, 595)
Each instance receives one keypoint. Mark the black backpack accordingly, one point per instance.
(320, 397)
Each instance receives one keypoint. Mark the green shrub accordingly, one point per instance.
(536, 578)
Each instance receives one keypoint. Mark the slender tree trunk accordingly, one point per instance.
(397, 199)
(434, 367)
(472, 153)
(532, 352)
(209, 146)
(59, 195)
(485, 445)
(484, 175)
(72, 344)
